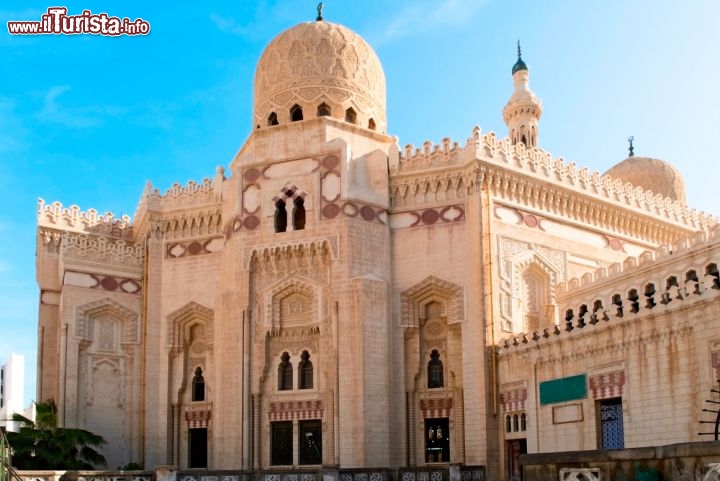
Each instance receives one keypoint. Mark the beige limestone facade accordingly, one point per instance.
(334, 300)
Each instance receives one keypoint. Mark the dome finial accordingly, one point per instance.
(319, 17)
(630, 149)
(519, 65)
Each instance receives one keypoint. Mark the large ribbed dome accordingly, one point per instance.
(324, 68)
(654, 175)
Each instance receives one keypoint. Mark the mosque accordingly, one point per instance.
(335, 303)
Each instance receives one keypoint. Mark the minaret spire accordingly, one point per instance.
(523, 110)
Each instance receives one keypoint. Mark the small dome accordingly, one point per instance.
(519, 65)
(654, 175)
(325, 69)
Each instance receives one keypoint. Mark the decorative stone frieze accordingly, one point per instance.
(433, 408)
(273, 254)
(514, 399)
(289, 410)
(198, 415)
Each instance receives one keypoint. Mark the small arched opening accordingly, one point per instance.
(296, 113)
(323, 110)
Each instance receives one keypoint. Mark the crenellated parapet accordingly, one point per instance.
(431, 156)
(530, 173)
(71, 219)
(181, 211)
(634, 269)
(435, 173)
(191, 195)
(531, 178)
(654, 283)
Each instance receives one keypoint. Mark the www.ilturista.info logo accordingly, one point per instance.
(57, 21)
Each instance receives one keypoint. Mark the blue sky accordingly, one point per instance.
(87, 120)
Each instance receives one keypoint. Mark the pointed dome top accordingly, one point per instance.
(519, 65)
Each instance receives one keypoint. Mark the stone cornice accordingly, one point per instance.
(635, 270)
(183, 224)
(650, 317)
(91, 250)
(179, 199)
(529, 176)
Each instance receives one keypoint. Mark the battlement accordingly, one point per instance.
(624, 292)
(55, 216)
(540, 164)
(430, 156)
(631, 268)
(536, 163)
(178, 196)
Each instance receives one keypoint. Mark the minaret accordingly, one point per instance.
(523, 110)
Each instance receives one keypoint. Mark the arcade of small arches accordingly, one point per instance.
(323, 110)
(673, 290)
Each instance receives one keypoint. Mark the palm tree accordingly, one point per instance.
(43, 445)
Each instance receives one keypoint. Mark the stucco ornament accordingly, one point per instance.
(318, 62)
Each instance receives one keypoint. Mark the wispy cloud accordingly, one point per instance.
(418, 18)
(74, 117)
(230, 25)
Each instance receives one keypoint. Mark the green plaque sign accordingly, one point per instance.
(563, 389)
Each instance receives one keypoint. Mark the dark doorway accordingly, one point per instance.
(437, 440)
(310, 442)
(513, 449)
(197, 448)
(281, 438)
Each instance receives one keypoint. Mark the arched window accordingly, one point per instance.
(296, 113)
(618, 303)
(350, 115)
(198, 386)
(272, 119)
(508, 423)
(280, 216)
(435, 370)
(650, 295)
(712, 271)
(298, 214)
(305, 370)
(371, 124)
(634, 300)
(323, 110)
(285, 373)
(692, 283)
(523, 422)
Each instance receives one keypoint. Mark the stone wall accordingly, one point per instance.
(676, 462)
